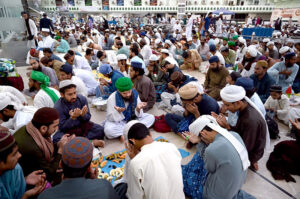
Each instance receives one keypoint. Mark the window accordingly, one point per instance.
(256, 2)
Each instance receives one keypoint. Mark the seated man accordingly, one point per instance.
(122, 106)
(45, 96)
(36, 147)
(74, 116)
(36, 66)
(251, 124)
(66, 73)
(195, 104)
(192, 60)
(63, 45)
(106, 88)
(203, 49)
(262, 80)
(171, 99)
(229, 56)
(48, 53)
(14, 116)
(219, 167)
(121, 48)
(149, 172)
(52, 63)
(143, 85)
(77, 61)
(15, 95)
(45, 40)
(168, 67)
(122, 65)
(285, 72)
(247, 65)
(215, 78)
(79, 180)
(12, 181)
(247, 84)
(91, 58)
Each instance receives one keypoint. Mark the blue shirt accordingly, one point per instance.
(55, 57)
(12, 184)
(115, 76)
(263, 86)
(207, 105)
(63, 46)
(281, 79)
(207, 23)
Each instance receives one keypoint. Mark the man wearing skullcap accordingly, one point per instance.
(36, 147)
(219, 167)
(34, 53)
(272, 50)
(192, 60)
(147, 157)
(247, 64)
(12, 114)
(262, 80)
(195, 104)
(106, 88)
(146, 51)
(168, 67)
(66, 73)
(12, 181)
(36, 66)
(143, 85)
(63, 45)
(248, 85)
(232, 45)
(251, 124)
(80, 180)
(215, 78)
(123, 106)
(242, 49)
(46, 96)
(214, 52)
(45, 40)
(229, 56)
(235, 37)
(285, 72)
(122, 64)
(143, 36)
(75, 116)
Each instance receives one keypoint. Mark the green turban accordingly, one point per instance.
(57, 37)
(124, 84)
(44, 81)
(225, 38)
(231, 43)
(235, 37)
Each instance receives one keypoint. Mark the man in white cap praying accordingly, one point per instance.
(272, 51)
(45, 41)
(247, 64)
(251, 124)
(219, 167)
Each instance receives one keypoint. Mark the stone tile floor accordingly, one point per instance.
(261, 184)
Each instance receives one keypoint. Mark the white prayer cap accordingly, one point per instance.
(159, 29)
(155, 30)
(198, 125)
(242, 40)
(290, 41)
(189, 39)
(165, 51)
(65, 83)
(252, 51)
(121, 57)
(168, 42)
(266, 40)
(127, 128)
(157, 41)
(189, 13)
(184, 34)
(274, 34)
(4, 101)
(232, 93)
(278, 33)
(284, 49)
(217, 41)
(270, 43)
(45, 30)
(153, 58)
(221, 13)
(139, 40)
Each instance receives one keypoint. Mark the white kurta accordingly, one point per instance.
(81, 63)
(41, 55)
(240, 53)
(146, 52)
(219, 25)
(248, 73)
(34, 32)
(155, 173)
(257, 101)
(88, 79)
(115, 122)
(47, 42)
(80, 86)
(189, 27)
(16, 95)
(42, 99)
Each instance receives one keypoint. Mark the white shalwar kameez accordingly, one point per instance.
(115, 123)
(189, 27)
(88, 79)
(15, 95)
(80, 86)
(42, 99)
(81, 63)
(47, 42)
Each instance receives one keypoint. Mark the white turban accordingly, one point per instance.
(127, 128)
(232, 93)
(290, 41)
(165, 51)
(153, 58)
(266, 40)
(252, 51)
(121, 57)
(270, 43)
(4, 101)
(168, 42)
(284, 49)
(206, 120)
(157, 41)
(217, 41)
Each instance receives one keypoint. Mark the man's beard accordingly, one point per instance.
(38, 69)
(289, 65)
(32, 89)
(5, 118)
(216, 69)
(127, 99)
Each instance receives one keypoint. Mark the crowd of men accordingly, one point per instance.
(46, 149)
